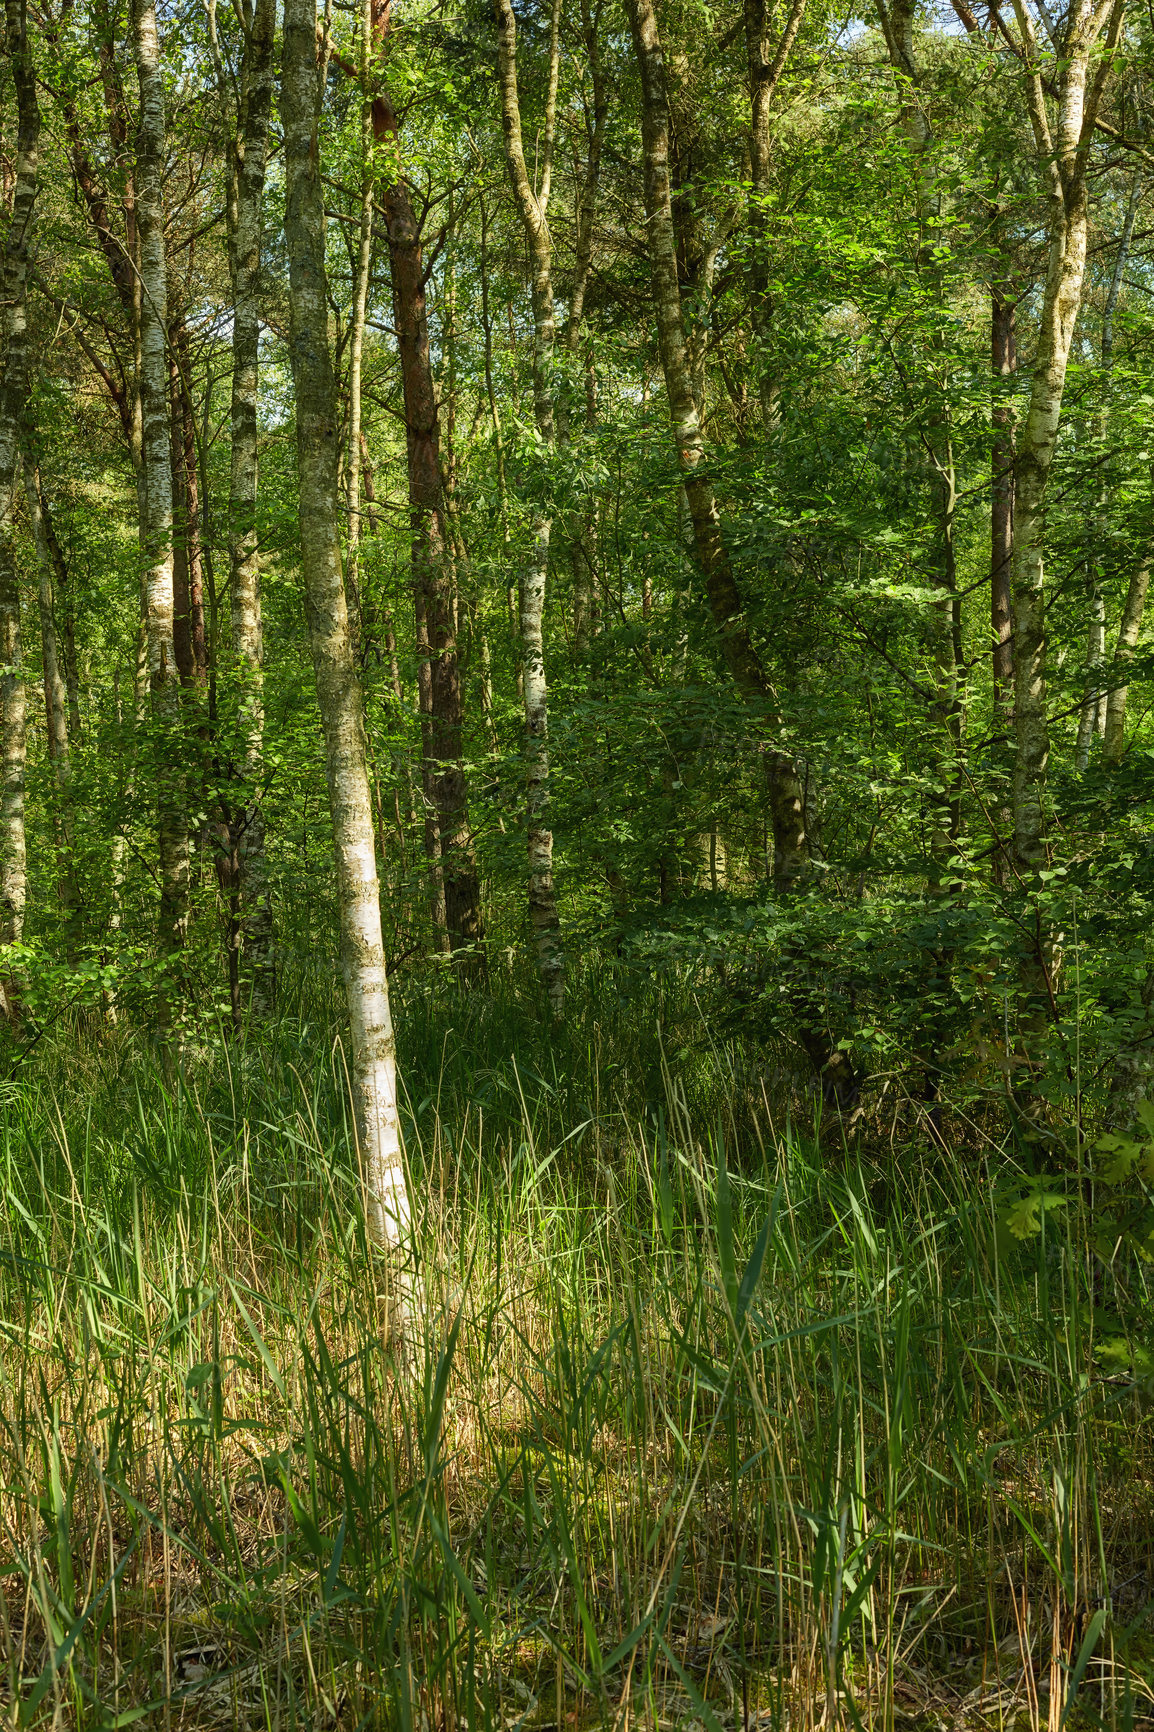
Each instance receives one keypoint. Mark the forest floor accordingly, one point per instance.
(706, 1424)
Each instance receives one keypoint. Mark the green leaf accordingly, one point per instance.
(1024, 1218)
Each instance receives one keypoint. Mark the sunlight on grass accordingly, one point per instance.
(706, 1425)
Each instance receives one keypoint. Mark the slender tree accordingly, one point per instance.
(374, 1081)
(533, 208)
(1089, 36)
(156, 518)
(1092, 720)
(456, 889)
(766, 66)
(13, 392)
(245, 197)
(55, 692)
(787, 805)
(1129, 631)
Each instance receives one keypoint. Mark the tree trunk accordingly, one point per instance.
(357, 340)
(1095, 667)
(764, 74)
(1003, 365)
(156, 526)
(533, 206)
(188, 550)
(128, 759)
(1128, 633)
(1095, 701)
(725, 602)
(785, 792)
(935, 456)
(1062, 160)
(374, 1084)
(55, 696)
(62, 585)
(452, 857)
(13, 393)
(189, 639)
(244, 204)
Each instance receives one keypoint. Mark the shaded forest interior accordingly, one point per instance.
(576, 966)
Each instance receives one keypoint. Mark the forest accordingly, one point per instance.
(577, 865)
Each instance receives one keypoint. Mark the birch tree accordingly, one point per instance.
(245, 196)
(1092, 720)
(14, 268)
(362, 955)
(156, 515)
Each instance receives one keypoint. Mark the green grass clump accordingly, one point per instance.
(707, 1422)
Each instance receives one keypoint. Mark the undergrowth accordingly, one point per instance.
(711, 1420)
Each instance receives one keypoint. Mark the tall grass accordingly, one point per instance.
(709, 1423)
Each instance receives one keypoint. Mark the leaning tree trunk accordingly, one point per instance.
(374, 1082)
(786, 796)
(245, 200)
(13, 392)
(533, 205)
(787, 806)
(156, 525)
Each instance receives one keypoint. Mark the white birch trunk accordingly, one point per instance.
(156, 488)
(246, 195)
(13, 393)
(357, 337)
(338, 689)
(1092, 719)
